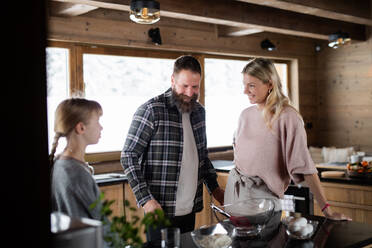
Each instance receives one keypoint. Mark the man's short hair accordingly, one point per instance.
(187, 62)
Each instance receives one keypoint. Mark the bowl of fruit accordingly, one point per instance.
(359, 169)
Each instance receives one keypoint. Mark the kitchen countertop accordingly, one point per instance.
(110, 178)
(227, 165)
(328, 234)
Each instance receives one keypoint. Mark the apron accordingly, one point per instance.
(240, 187)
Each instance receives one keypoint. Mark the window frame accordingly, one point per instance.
(76, 74)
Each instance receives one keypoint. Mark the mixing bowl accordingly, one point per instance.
(248, 217)
(212, 237)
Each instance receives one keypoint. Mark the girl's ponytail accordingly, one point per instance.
(54, 147)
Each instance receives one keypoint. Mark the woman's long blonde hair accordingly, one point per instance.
(68, 114)
(276, 101)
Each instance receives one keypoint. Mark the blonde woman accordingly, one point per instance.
(270, 146)
(73, 186)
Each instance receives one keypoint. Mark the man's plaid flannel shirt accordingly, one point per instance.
(152, 153)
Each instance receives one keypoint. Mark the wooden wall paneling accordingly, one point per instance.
(307, 87)
(354, 98)
(338, 77)
(345, 96)
(334, 138)
(107, 167)
(334, 9)
(347, 55)
(350, 113)
(345, 123)
(122, 51)
(310, 112)
(127, 34)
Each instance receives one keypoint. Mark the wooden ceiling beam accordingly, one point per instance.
(243, 15)
(71, 9)
(99, 4)
(226, 31)
(356, 11)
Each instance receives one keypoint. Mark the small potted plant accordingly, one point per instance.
(120, 231)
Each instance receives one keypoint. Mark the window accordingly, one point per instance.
(224, 98)
(57, 68)
(121, 84)
(123, 79)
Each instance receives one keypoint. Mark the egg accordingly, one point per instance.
(296, 224)
(294, 228)
(301, 222)
(306, 230)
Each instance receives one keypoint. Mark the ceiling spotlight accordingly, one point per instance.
(338, 39)
(144, 11)
(318, 48)
(154, 34)
(267, 45)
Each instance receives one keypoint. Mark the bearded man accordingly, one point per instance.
(165, 155)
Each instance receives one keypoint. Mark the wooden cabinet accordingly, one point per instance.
(129, 195)
(206, 216)
(203, 218)
(222, 181)
(114, 192)
(352, 200)
(119, 192)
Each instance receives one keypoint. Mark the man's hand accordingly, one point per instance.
(151, 205)
(219, 195)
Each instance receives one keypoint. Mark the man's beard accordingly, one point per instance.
(181, 103)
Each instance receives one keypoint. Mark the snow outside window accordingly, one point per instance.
(121, 84)
(57, 68)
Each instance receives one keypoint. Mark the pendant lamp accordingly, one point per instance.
(338, 39)
(144, 11)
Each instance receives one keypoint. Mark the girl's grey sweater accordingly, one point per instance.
(74, 189)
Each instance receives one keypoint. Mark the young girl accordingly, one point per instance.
(270, 146)
(73, 186)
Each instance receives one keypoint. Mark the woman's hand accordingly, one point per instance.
(335, 215)
(312, 180)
